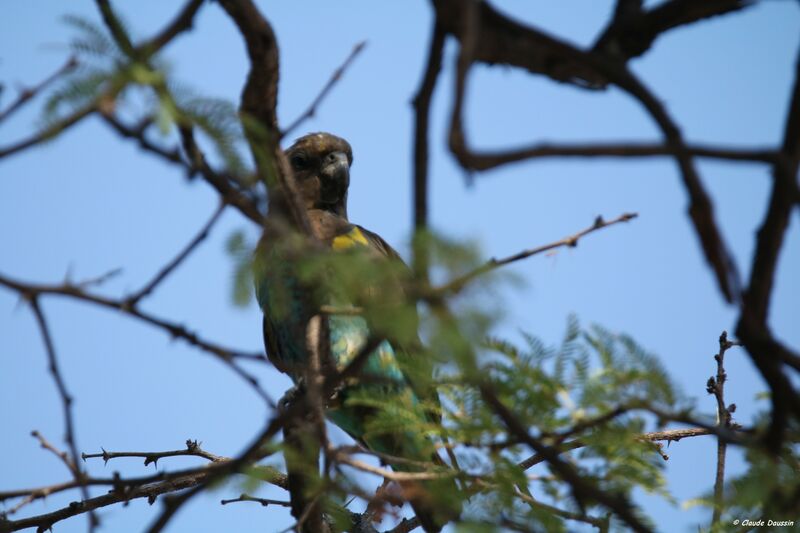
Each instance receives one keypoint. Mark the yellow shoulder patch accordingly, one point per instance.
(352, 238)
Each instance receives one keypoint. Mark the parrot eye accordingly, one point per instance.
(299, 161)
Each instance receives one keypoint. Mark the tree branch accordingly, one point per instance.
(258, 102)
(753, 328)
(597, 69)
(117, 30)
(192, 449)
(226, 355)
(45, 522)
(485, 160)
(632, 32)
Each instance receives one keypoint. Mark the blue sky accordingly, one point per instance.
(89, 202)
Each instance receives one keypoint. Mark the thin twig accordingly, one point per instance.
(390, 474)
(137, 132)
(27, 94)
(716, 386)
(701, 208)
(66, 403)
(192, 449)
(335, 77)
(194, 163)
(183, 254)
(62, 455)
(671, 435)
(49, 132)
(265, 502)
(458, 284)
(231, 194)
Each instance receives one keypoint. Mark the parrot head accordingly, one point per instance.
(321, 166)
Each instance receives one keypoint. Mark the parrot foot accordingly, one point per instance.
(291, 395)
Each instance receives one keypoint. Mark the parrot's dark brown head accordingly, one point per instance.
(321, 165)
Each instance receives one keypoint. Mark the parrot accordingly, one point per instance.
(320, 163)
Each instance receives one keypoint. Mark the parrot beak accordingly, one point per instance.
(335, 175)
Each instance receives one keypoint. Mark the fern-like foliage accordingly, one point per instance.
(142, 87)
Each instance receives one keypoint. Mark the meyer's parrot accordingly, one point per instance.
(385, 385)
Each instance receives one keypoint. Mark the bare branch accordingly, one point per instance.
(335, 77)
(753, 328)
(567, 63)
(49, 132)
(459, 283)
(255, 451)
(701, 209)
(258, 102)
